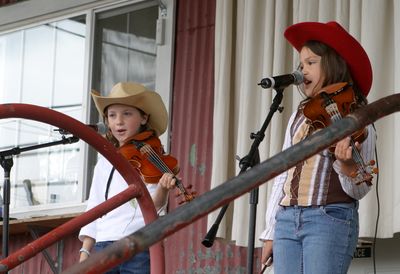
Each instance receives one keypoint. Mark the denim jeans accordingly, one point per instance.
(315, 240)
(139, 264)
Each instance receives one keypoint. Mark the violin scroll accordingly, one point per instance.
(365, 177)
(185, 192)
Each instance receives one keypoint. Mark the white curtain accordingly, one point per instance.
(249, 45)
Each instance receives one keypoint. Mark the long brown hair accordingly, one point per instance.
(334, 67)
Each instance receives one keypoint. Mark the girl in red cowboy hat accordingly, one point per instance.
(312, 214)
(128, 110)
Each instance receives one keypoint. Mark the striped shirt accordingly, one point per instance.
(308, 183)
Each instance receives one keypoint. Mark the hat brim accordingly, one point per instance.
(336, 37)
(148, 101)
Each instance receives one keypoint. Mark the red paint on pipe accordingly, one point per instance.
(90, 136)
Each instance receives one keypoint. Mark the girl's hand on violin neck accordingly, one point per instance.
(344, 154)
(167, 181)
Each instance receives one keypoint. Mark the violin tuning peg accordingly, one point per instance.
(375, 170)
(369, 182)
(371, 162)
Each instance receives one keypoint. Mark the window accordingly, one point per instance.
(47, 65)
(43, 66)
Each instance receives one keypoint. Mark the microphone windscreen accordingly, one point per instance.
(101, 128)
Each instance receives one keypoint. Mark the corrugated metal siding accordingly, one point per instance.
(5, 2)
(192, 138)
(38, 263)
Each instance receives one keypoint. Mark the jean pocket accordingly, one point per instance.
(338, 213)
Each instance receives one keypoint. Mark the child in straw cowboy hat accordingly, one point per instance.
(312, 214)
(128, 110)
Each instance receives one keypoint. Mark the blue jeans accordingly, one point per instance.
(139, 264)
(315, 240)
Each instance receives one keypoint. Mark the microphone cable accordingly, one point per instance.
(378, 206)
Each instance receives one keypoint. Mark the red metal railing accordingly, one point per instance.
(137, 188)
(242, 184)
(160, 228)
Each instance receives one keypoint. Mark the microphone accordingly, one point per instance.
(282, 81)
(100, 128)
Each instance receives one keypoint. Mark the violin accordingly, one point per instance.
(145, 152)
(330, 105)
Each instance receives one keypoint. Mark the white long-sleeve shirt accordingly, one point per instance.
(348, 184)
(119, 222)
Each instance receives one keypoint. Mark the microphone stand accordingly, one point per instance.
(6, 161)
(250, 160)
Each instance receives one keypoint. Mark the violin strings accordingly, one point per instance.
(156, 159)
(356, 154)
(163, 167)
(153, 157)
(160, 164)
(335, 114)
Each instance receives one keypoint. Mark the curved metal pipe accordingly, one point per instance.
(136, 189)
(242, 184)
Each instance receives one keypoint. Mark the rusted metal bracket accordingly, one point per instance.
(56, 266)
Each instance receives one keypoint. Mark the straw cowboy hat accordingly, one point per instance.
(335, 36)
(138, 96)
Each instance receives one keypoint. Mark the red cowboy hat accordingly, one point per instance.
(335, 36)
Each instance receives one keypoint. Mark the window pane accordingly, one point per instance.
(10, 67)
(43, 66)
(8, 134)
(126, 48)
(37, 65)
(69, 72)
